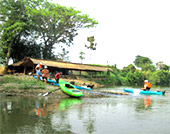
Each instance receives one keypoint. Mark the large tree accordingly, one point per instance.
(13, 24)
(142, 62)
(57, 24)
(39, 22)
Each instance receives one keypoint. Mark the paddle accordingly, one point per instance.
(50, 92)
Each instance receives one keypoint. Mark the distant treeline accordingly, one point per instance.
(134, 75)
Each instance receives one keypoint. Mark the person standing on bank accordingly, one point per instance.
(57, 77)
(38, 70)
(45, 74)
(147, 85)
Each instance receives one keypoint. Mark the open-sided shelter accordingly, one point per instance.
(28, 65)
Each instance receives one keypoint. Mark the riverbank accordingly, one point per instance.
(11, 85)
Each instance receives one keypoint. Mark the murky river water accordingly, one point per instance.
(108, 115)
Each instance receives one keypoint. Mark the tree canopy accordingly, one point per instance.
(142, 62)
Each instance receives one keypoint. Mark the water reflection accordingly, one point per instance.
(41, 108)
(45, 108)
(32, 115)
(116, 114)
(91, 120)
(65, 104)
(60, 119)
(143, 103)
(147, 101)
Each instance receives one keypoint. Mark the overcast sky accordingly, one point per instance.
(126, 28)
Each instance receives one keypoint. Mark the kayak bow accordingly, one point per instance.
(69, 89)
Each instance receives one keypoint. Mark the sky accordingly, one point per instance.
(126, 28)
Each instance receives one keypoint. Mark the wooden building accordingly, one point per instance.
(27, 65)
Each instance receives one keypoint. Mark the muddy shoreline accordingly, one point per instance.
(57, 94)
(12, 88)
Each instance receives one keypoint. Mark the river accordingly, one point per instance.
(116, 114)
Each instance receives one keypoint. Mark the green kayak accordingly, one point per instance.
(69, 89)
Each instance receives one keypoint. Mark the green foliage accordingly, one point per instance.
(142, 62)
(148, 67)
(82, 56)
(13, 24)
(92, 44)
(165, 67)
(112, 75)
(129, 68)
(158, 75)
(131, 78)
(154, 78)
(161, 66)
(56, 24)
(139, 77)
(2, 56)
(123, 80)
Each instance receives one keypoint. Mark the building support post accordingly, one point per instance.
(24, 69)
(33, 70)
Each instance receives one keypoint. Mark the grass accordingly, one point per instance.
(21, 83)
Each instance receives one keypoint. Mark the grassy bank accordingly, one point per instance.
(9, 82)
(22, 85)
(27, 85)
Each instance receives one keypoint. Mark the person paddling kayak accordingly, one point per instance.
(147, 85)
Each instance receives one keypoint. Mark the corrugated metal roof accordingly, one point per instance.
(58, 64)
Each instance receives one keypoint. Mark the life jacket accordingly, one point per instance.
(57, 76)
(39, 66)
(45, 72)
(148, 85)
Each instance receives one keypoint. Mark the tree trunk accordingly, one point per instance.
(47, 51)
(7, 58)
